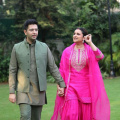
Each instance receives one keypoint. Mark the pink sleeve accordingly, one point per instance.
(98, 54)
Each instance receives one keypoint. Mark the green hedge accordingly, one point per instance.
(4, 66)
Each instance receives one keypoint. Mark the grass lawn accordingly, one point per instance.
(9, 111)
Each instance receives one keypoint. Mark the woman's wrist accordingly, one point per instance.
(90, 43)
(94, 48)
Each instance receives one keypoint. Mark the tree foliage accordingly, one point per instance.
(116, 54)
(45, 12)
(59, 19)
(4, 64)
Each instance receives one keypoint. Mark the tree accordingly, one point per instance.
(59, 18)
(87, 14)
(45, 12)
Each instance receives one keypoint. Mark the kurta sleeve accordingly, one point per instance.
(98, 54)
(61, 68)
(13, 72)
(54, 70)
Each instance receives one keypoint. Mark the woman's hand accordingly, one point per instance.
(88, 38)
(60, 91)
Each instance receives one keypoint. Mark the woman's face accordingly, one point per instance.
(78, 36)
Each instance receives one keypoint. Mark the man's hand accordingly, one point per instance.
(12, 98)
(60, 91)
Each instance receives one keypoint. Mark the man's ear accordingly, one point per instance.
(25, 32)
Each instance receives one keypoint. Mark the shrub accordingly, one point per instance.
(50, 79)
(4, 66)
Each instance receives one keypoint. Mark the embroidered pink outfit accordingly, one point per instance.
(85, 97)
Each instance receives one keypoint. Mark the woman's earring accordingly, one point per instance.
(83, 41)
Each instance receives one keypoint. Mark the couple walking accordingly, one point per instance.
(80, 89)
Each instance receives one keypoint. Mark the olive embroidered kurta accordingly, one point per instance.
(34, 97)
(34, 92)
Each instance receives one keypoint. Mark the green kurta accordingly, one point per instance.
(35, 96)
(19, 68)
(27, 72)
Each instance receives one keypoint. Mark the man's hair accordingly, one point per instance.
(29, 22)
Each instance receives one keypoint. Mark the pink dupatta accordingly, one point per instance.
(100, 101)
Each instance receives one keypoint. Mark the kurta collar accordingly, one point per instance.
(25, 41)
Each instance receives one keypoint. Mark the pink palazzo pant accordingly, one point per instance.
(75, 110)
(77, 105)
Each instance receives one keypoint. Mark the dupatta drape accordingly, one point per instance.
(100, 101)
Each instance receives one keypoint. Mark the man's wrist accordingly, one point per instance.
(11, 91)
(62, 84)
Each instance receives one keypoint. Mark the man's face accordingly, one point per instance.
(31, 32)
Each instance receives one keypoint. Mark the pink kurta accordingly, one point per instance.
(85, 97)
(78, 96)
(79, 79)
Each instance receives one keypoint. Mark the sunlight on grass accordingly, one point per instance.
(9, 111)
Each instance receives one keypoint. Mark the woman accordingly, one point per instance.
(85, 96)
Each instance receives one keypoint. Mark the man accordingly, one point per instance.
(27, 73)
